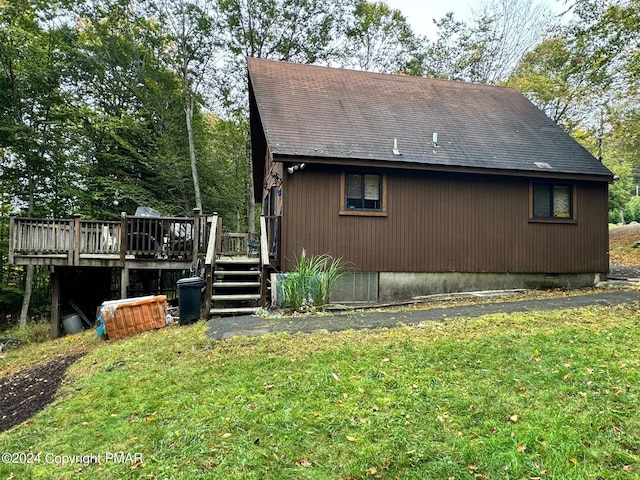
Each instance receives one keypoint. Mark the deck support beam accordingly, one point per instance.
(124, 281)
(55, 303)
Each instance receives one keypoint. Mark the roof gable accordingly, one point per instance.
(328, 113)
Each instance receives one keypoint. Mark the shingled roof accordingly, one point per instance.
(325, 113)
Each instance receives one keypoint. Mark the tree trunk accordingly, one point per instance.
(188, 108)
(28, 282)
(28, 288)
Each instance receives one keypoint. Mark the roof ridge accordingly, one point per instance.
(351, 71)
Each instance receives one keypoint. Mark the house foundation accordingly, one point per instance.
(399, 286)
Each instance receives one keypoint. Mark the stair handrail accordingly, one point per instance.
(210, 259)
(264, 242)
(264, 259)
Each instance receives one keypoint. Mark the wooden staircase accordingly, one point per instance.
(236, 286)
(236, 272)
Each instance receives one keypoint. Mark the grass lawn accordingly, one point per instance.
(549, 395)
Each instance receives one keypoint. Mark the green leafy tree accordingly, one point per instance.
(36, 149)
(378, 38)
(228, 172)
(132, 122)
(553, 78)
(609, 35)
(192, 40)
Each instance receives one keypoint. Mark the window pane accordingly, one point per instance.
(372, 187)
(354, 186)
(363, 191)
(561, 202)
(541, 201)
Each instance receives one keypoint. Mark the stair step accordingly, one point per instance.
(235, 284)
(237, 261)
(231, 310)
(238, 297)
(238, 273)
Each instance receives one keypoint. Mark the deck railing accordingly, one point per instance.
(138, 237)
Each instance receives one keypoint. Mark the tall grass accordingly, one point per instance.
(33, 332)
(308, 286)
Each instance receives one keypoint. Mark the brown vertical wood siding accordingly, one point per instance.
(443, 223)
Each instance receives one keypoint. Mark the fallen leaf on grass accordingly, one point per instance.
(522, 447)
(513, 418)
(574, 460)
(371, 471)
(627, 468)
(135, 465)
(303, 462)
(351, 439)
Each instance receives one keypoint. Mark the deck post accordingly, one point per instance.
(209, 261)
(12, 237)
(123, 239)
(76, 239)
(70, 254)
(196, 240)
(124, 281)
(55, 303)
(219, 235)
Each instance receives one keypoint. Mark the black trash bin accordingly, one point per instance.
(189, 299)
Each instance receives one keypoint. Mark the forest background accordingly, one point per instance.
(107, 105)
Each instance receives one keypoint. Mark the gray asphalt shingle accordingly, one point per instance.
(319, 112)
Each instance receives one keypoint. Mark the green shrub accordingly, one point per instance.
(308, 286)
(632, 210)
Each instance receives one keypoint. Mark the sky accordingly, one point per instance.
(420, 13)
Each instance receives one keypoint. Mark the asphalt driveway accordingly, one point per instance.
(227, 327)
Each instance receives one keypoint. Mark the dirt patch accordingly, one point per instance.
(26, 392)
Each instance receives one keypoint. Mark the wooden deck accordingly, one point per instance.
(141, 243)
(133, 242)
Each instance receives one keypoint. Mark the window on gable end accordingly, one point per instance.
(552, 201)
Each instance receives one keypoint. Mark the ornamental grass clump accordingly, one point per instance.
(308, 286)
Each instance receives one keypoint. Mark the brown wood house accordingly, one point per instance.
(422, 185)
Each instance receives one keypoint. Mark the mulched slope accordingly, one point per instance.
(25, 393)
